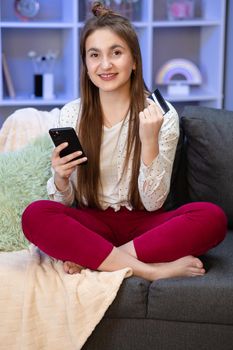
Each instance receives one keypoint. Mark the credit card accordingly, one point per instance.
(157, 97)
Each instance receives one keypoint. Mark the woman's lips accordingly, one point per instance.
(108, 76)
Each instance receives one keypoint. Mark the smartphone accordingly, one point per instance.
(157, 97)
(68, 134)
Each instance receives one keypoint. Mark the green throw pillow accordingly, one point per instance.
(23, 177)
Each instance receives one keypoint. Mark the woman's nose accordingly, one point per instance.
(106, 63)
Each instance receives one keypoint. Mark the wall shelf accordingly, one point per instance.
(57, 27)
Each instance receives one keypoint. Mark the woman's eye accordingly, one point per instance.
(94, 55)
(116, 53)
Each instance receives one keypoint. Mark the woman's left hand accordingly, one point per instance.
(151, 120)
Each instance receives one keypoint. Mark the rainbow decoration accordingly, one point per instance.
(188, 70)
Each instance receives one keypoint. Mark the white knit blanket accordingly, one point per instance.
(25, 125)
(43, 308)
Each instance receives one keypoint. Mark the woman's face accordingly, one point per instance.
(109, 61)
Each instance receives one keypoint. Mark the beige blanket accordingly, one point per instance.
(43, 308)
(24, 125)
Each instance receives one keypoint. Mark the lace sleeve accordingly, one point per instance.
(154, 180)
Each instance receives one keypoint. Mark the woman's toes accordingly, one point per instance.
(74, 269)
(71, 268)
(193, 261)
(66, 266)
(197, 271)
(198, 263)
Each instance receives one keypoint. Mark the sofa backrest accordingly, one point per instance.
(203, 168)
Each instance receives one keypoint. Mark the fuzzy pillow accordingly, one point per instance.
(23, 177)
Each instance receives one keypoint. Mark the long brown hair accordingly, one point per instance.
(91, 119)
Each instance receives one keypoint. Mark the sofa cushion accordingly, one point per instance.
(23, 177)
(205, 299)
(131, 301)
(210, 156)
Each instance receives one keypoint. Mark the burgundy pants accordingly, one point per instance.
(87, 236)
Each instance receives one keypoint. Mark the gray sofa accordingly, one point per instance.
(184, 313)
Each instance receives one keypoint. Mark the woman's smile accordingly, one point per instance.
(108, 76)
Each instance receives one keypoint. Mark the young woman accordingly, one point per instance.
(118, 219)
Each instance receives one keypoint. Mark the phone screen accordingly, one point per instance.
(68, 134)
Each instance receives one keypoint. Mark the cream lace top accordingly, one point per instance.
(153, 180)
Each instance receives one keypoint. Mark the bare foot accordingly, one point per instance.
(71, 268)
(188, 266)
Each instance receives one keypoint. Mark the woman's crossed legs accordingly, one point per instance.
(154, 245)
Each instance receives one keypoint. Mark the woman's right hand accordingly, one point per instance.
(64, 166)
